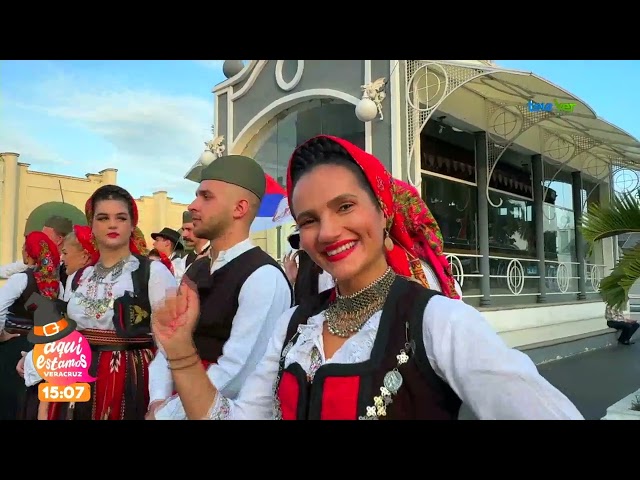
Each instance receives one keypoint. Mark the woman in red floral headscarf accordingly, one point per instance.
(112, 306)
(379, 345)
(41, 256)
(77, 252)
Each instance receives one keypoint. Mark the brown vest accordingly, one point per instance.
(219, 297)
(347, 391)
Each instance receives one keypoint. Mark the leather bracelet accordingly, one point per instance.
(182, 358)
(186, 366)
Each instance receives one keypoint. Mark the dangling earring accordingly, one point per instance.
(388, 243)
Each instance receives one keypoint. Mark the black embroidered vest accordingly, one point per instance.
(192, 255)
(357, 391)
(219, 294)
(19, 319)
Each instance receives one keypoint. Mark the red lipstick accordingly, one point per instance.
(113, 235)
(341, 255)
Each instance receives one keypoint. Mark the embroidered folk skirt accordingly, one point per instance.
(121, 389)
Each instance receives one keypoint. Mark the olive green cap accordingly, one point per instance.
(238, 170)
(42, 215)
(186, 217)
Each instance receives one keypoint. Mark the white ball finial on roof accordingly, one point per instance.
(231, 68)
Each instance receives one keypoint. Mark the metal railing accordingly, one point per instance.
(509, 275)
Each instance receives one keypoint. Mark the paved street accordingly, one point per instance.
(594, 380)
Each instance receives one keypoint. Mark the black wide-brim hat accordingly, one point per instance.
(49, 325)
(171, 234)
(294, 239)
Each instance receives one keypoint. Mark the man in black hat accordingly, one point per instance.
(199, 246)
(307, 278)
(243, 291)
(56, 228)
(167, 241)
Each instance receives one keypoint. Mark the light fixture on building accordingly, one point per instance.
(371, 103)
(206, 158)
(366, 109)
(215, 148)
(231, 68)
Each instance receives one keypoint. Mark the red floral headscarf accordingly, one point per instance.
(137, 243)
(45, 253)
(413, 229)
(87, 242)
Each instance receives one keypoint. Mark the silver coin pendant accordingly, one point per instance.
(393, 381)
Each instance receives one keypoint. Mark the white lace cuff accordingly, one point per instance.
(171, 409)
(220, 409)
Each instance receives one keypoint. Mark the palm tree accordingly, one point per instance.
(621, 215)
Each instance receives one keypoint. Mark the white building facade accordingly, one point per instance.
(506, 161)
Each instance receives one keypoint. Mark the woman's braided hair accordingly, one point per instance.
(324, 151)
(112, 192)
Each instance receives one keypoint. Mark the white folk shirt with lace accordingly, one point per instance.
(495, 381)
(9, 269)
(15, 286)
(263, 298)
(79, 309)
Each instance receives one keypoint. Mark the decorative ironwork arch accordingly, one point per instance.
(505, 124)
(419, 82)
(429, 83)
(564, 147)
(630, 183)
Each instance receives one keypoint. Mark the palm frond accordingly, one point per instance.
(614, 288)
(621, 215)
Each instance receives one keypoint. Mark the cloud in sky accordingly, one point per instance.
(31, 150)
(151, 134)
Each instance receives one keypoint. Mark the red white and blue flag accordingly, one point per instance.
(274, 209)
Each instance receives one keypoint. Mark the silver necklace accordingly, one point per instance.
(348, 314)
(100, 272)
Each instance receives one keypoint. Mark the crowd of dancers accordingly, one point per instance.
(363, 320)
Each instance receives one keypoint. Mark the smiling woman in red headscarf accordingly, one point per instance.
(387, 342)
(112, 305)
(41, 256)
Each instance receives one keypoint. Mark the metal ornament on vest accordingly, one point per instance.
(48, 325)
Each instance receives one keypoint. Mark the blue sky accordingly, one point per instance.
(150, 119)
(608, 86)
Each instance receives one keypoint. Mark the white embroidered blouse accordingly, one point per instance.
(90, 305)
